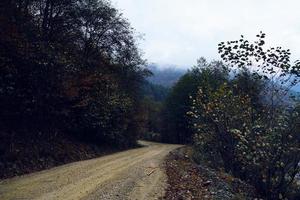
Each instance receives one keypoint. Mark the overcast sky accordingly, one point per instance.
(180, 31)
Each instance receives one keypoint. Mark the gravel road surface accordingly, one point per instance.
(134, 174)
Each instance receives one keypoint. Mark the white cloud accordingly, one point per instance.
(180, 31)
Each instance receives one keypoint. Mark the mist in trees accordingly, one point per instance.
(165, 75)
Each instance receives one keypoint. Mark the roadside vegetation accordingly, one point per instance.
(240, 116)
(70, 70)
(74, 85)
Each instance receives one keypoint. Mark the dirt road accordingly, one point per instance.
(133, 174)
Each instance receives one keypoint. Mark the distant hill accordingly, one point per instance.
(166, 76)
(156, 92)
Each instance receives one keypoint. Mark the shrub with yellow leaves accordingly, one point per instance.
(230, 129)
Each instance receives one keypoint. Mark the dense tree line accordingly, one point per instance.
(154, 91)
(245, 125)
(239, 115)
(71, 65)
(177, 127)
(152, 103)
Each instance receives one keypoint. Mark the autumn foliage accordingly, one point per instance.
(254, 138)
(71, 66)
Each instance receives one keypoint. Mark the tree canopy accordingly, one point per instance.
(69, 64)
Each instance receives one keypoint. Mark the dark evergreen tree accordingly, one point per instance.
(177, 127)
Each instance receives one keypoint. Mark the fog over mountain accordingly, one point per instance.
(165, 75)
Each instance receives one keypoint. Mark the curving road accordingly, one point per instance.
(133, 174)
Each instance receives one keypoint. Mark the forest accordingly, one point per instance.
(241, 114)
(70, 70)
(74, 85)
